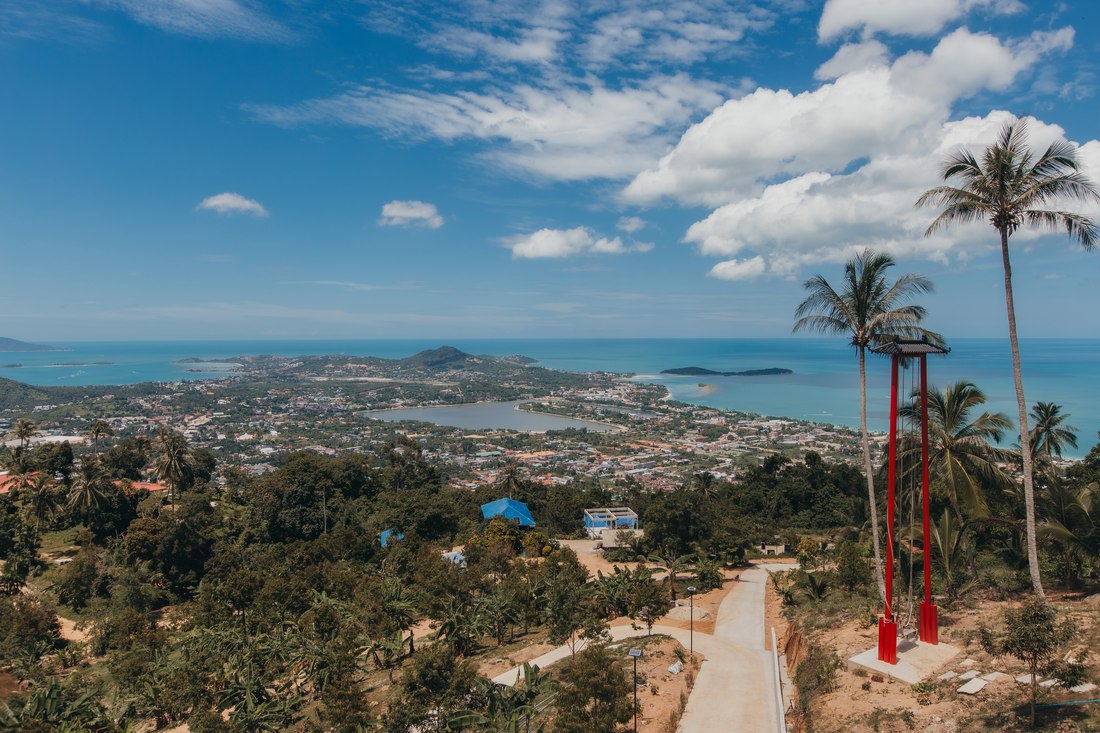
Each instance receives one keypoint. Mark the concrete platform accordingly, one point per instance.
(916, 661)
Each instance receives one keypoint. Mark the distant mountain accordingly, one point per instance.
(444, 356)
(448, 357)
(701, 372)
(7, 344)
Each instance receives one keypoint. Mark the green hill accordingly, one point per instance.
(16, 394)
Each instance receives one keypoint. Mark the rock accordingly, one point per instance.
(876, 678)
(1093, 600)
(973, 687)
(947, 676)
(676, 668)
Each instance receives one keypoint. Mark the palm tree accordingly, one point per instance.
(41, 500)
(1010, 187)
(961, 456)
(88, 494)
(1071, 524)
(947, 544)
(674, 566)
(99, 429)
(23, 431)
(399, 603)
(173, 461)
(869, 309)
(510, 479)
(1051, 435)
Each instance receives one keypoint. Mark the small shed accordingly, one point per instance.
(510, 509)
(613, 518)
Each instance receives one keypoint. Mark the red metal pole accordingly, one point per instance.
(891, 477)
(887, 626)
(929, 631)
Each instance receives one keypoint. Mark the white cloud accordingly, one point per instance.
(739, 269)
(558, 243)
(901, 17)
(204, 18)
(630, 224)
(820, 217)
(410, 214)
(232, 203)
(864, 113)
(557, 132)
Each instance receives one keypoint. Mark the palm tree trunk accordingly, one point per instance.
(868, 469)
(1025, 437)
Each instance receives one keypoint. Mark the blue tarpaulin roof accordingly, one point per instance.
(385, 538)
(509, 509)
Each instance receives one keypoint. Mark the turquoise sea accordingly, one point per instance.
(824, 386)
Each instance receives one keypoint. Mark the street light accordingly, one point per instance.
(691, 620)
(635, 653)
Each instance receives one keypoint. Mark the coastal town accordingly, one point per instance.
(622, 429)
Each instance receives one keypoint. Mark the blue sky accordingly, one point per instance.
(177, 169)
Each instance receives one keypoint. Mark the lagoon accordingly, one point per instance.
(487, 416)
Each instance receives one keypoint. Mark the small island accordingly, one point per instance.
(701, 372)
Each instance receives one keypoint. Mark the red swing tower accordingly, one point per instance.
(900, 350)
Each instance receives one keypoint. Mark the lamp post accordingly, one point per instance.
(635, 653)
(691, 620)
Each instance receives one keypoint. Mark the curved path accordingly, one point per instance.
(735, 689)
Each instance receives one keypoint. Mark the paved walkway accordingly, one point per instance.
(735, 689)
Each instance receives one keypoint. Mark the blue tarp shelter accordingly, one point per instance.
(387, 534)
(510, 509)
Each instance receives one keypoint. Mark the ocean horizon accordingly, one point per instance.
(822, 388)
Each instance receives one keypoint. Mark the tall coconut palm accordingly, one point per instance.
(173, 462)
(97, 430)
(1051, 435)
(24, 430)
(1011, 187)
(869, 309)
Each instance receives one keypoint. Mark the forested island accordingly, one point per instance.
(10, 344)
(701, 372)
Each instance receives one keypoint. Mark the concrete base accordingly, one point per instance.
(916, 661)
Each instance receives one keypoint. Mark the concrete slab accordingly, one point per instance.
(1087, 687)
(947, 676)
(967, 676)
(916, 661)
(968, 662)
(973, 687)
(1048, 683)
(1024, 679)
(996, 677)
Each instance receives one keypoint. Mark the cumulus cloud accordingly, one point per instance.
(822, 217)
(865, 112)
(558, 243)
(410, 214)
(241, 19)
(630, 224)
(232, 203)
(901, 17)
